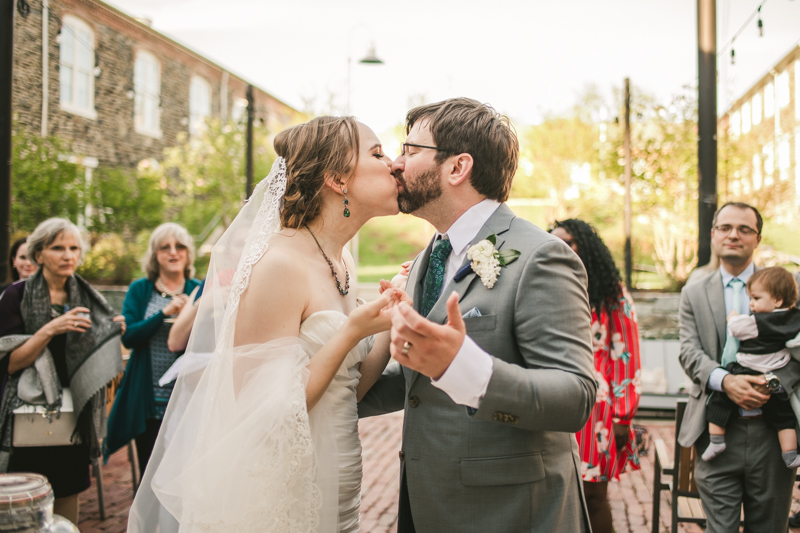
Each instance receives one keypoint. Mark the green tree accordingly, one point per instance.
(127, 201)
(205, 177)
(44, 185)
(663, 179)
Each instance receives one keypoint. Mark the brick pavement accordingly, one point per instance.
(631, 498)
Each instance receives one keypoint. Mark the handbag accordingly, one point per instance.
(34, 425)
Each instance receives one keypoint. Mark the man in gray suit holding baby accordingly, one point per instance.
(751, 475)
(497, 372)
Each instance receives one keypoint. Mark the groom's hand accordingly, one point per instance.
(432, 346)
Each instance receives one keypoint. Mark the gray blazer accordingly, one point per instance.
(703, 332)
(513, 464)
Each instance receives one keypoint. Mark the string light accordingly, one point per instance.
(760, 23)
(755, 13)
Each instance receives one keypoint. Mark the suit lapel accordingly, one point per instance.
(716, 301)
(497, 224)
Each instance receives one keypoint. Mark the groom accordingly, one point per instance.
(494, 381)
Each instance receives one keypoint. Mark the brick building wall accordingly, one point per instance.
(762, 129)
(111, 137)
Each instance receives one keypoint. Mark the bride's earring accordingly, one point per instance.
(346, 201)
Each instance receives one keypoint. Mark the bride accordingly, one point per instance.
(265, 438)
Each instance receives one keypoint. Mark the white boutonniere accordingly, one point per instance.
(486, 260)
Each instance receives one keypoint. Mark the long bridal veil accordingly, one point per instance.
(237, 449)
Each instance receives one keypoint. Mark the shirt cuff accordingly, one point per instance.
(715, 379)
(468, 376)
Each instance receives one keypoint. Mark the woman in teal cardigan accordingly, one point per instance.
(149, 309)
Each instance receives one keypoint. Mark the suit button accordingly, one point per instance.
(497, 417)
(402, 455)
(413, 401)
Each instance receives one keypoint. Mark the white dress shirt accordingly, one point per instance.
(468, 376)
(718, 374)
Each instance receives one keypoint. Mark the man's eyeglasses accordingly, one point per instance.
(725, 229)
(403, 148)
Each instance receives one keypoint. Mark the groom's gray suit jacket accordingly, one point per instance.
(513, 465)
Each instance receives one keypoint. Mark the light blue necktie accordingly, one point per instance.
(731, 342)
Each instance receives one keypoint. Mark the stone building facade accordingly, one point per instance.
(116, 91)
(761, 135)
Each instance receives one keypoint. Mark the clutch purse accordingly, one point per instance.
(34, 425)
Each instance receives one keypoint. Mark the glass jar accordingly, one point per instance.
(26, 506)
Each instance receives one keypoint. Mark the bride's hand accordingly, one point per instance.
(400, 280)
(400, 294)
(373, 317)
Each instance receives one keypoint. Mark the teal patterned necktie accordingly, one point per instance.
(731, 342)
(434, 277)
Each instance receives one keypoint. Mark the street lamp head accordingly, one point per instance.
(371, 58)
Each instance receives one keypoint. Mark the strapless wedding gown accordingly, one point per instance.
(340, 399)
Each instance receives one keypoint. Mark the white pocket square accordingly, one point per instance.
(472, 313)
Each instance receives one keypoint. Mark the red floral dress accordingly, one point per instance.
(617, 367)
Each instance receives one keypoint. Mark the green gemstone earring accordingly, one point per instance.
(346, 201)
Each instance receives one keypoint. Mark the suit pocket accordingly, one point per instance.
(695, 390)
(480, 323)
(498, 471)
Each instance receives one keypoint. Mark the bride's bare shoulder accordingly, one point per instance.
(284, 261)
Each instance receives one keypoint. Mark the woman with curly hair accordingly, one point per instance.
(607, 442)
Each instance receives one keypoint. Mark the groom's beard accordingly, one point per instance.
(425, 189)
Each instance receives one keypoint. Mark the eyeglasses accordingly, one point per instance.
(746, 231)
(168, 247)
(403, 148)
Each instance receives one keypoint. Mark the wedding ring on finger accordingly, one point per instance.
(75, 324)
(406, 347)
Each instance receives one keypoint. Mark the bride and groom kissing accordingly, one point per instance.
(490, 335)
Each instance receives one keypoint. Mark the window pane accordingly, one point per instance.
(756, 109)
(769, 100)
(82, 89)
(147, 113)
(67, 46)
(138, 108)
(147, 84)
(65, 76)
(746, 117)
(85, 52)
(152, 78)
(782, 89)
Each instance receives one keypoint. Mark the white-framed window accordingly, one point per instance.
(746, 115)
(782, 89)
(757, 172)
(76, 68)
(199, 104)
(736, 124)
(769, 100)
(756, 109)
(147, 90)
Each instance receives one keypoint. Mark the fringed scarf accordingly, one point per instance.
(93, 358)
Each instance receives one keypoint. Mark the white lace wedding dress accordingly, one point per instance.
(238, 450)
(341, 400)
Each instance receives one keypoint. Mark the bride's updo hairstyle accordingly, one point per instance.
(324, 146)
